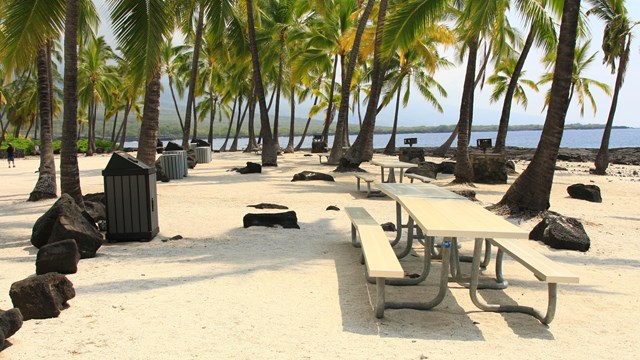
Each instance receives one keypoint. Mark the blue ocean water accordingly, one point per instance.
(527, 139)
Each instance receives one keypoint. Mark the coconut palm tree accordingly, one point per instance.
(269, 154)
(541, 31)
(416, 64)
(140, 29)
(580, 85)
(616, 45)
(531, 190)
(95, 81)
(502, 81)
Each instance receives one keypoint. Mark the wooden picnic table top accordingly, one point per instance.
(394, 190)
(390, 163)
(456, 218)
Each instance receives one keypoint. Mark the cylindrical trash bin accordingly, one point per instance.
(173, 165)
(185, 164)
(203, 155)
(131, 199)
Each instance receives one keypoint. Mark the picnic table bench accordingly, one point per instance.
(321, 155)
(542, 268)
(367, 178)
(412, 176)
(380, 260)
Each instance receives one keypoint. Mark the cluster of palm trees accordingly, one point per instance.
(334, 51)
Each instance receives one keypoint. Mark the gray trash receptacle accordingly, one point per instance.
(131, 197)
(184, 159)
(203, 155)
(172, 165)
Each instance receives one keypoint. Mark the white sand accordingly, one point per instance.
(228, 292)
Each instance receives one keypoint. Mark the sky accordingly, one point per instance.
(420, 113)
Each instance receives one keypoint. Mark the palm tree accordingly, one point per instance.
(416, 64)
(95, 80)
(502, 81)
(580, 85)
(140, 28)
(531, 190)
(616, 45)
(269, 154)
(172, 59)
(542, 31)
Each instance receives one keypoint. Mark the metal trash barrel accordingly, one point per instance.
(203, 155)
(185, 164)
(173, 165)
(131, 199)
(317, 145)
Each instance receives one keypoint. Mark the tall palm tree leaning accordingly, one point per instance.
(531, 191)
(69, 171)
(141, 28)
(269, 154)
(343, 110)
(616, 45)
(24, 33)
(542, 30)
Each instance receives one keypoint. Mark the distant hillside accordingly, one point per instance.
(170, 127)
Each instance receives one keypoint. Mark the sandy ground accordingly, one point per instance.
(228, 292)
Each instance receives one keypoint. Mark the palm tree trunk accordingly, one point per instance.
(195, 122)
(113, 130)
(233, 112)
(501, 137)
(289, 148)
(212, 117)
(234, 143)
(91, 124)
(125, 122)
(531, 190)
(104, 123)
(46, 185)
(252, 144)
(602, 158)
(306, 128)
(391, 145)
(327, 117)
(175, 103)
(343, 111)
(69, 172)
(463, 171)
(150, 121)
(276, 119)
(194, 74)
(269, 153)
(362, 148)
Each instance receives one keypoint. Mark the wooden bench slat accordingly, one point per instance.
(359, 216)
(365, 176)
(544, 268)
(381, 261)
(412, 176)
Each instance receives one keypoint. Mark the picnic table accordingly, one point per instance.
(392, 165)
(440, 213)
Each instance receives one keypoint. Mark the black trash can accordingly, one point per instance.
(130, 193)
(317, 145)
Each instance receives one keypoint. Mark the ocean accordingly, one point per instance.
(589, 138)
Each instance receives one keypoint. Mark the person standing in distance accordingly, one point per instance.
(10, 152)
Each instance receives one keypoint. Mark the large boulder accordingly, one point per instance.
(426, 168)
(42, 228)
(42, 296)
(312, 176)
(86, 235)
(561, 232)
(489, 168)
(287, 220)
(65, 220)
(171, 146)
(97, 210)
(411, 154)
(61, 257)
(447, 167)
(10, 323)
(251, 168)
(585, 192)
